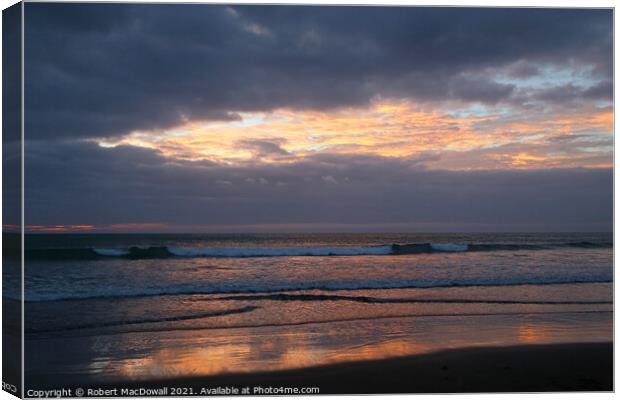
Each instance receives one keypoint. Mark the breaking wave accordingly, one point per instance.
(156, 252)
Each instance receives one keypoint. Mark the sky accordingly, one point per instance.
(215, 118)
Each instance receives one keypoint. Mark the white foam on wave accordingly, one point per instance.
(449, 247)
(112, 252)
(275, 252)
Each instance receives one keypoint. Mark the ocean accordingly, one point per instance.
(117, 307)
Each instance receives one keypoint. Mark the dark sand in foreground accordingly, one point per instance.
(526, 368)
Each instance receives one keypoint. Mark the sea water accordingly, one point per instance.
(143, 306)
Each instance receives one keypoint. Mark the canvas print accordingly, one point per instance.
(226, 199)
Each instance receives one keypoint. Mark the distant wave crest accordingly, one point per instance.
(156, 252)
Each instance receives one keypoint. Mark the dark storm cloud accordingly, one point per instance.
(105, 69)
(571, 93)
(523, 70)
(133, 185)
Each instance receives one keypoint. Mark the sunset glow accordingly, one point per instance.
(393, 128)
(236, 118)
(204, 199)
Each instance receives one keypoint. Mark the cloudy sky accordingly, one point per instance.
(288, 118)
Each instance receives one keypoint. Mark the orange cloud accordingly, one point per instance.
(387, 128)
(128, 227)
(59, 228)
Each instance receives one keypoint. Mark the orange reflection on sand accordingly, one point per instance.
(273, 346)
(294, 353)
(179, 362)
(381, 350)
(531, 334)
(213, 352)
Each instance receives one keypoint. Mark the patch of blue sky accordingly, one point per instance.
(476, 110)
(596, 136)
(597, 149)
(321, 147)
(552, 76)
(176, 133)
(603, 104)
(248, 120)
(531, 138)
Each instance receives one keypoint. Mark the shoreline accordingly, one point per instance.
(521, 368)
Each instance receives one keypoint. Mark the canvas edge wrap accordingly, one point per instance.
(12, 198)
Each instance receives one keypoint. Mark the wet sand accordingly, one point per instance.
(526, 368)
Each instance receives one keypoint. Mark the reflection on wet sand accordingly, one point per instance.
(240, 357)
(532, 334)
(206, 361)
(300, 329)
(261, 349)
